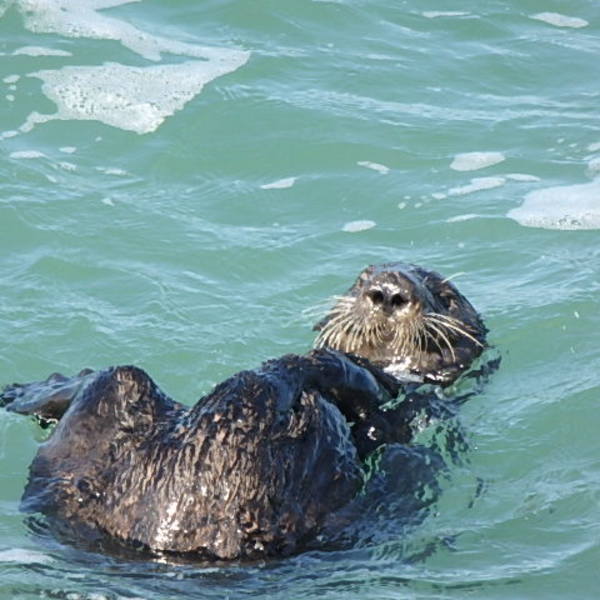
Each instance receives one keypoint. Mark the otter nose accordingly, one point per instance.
(388, 300)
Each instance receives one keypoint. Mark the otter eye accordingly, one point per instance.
(447, 298)
(376, 296)
(398, 300)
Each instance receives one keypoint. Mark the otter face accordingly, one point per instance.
(410, 321)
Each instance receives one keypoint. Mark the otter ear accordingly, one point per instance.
(364, 275)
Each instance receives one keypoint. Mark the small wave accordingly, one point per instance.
(374, 166)
(559, 20)
(20, 555)
(40, 51)
(473, 161)
(355, 226)
(27, 154)
(435, 14)
(477, 184)
(524, 177)
(460, 218)
(280, 184)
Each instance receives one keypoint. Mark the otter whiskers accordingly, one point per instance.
(350, 330)
(429, 323)
(408, 338)
(452, 324)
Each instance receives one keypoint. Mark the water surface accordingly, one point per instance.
(180, 181)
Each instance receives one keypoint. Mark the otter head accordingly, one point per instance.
(409, 321)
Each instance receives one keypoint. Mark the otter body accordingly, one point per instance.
(260, 466)
(253, 469)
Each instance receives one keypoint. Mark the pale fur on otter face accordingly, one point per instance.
(408, 320)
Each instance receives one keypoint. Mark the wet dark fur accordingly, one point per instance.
(409, 321)
(253, 469)
(267, 464)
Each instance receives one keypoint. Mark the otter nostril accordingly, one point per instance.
(376, 296)
(398, 300)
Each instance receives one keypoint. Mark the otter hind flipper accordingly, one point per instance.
(46, 400)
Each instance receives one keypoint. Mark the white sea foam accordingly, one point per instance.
(561, 207)
(81, 19)
(593, 167)
(68, 149)
(559, 20)
(434, 14)
(11, 78)
(477, 185)
(132, 98)
(473, 161)
(8, 134)
(40, 51)
(594, 147)
(374, 166)
(280, 184)
(27, 154)
(355, 226)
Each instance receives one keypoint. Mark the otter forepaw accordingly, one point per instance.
(47, 400)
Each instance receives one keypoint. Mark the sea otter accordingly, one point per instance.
(259, 466)
(410, 321)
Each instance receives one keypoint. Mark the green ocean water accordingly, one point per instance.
(183, 184)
